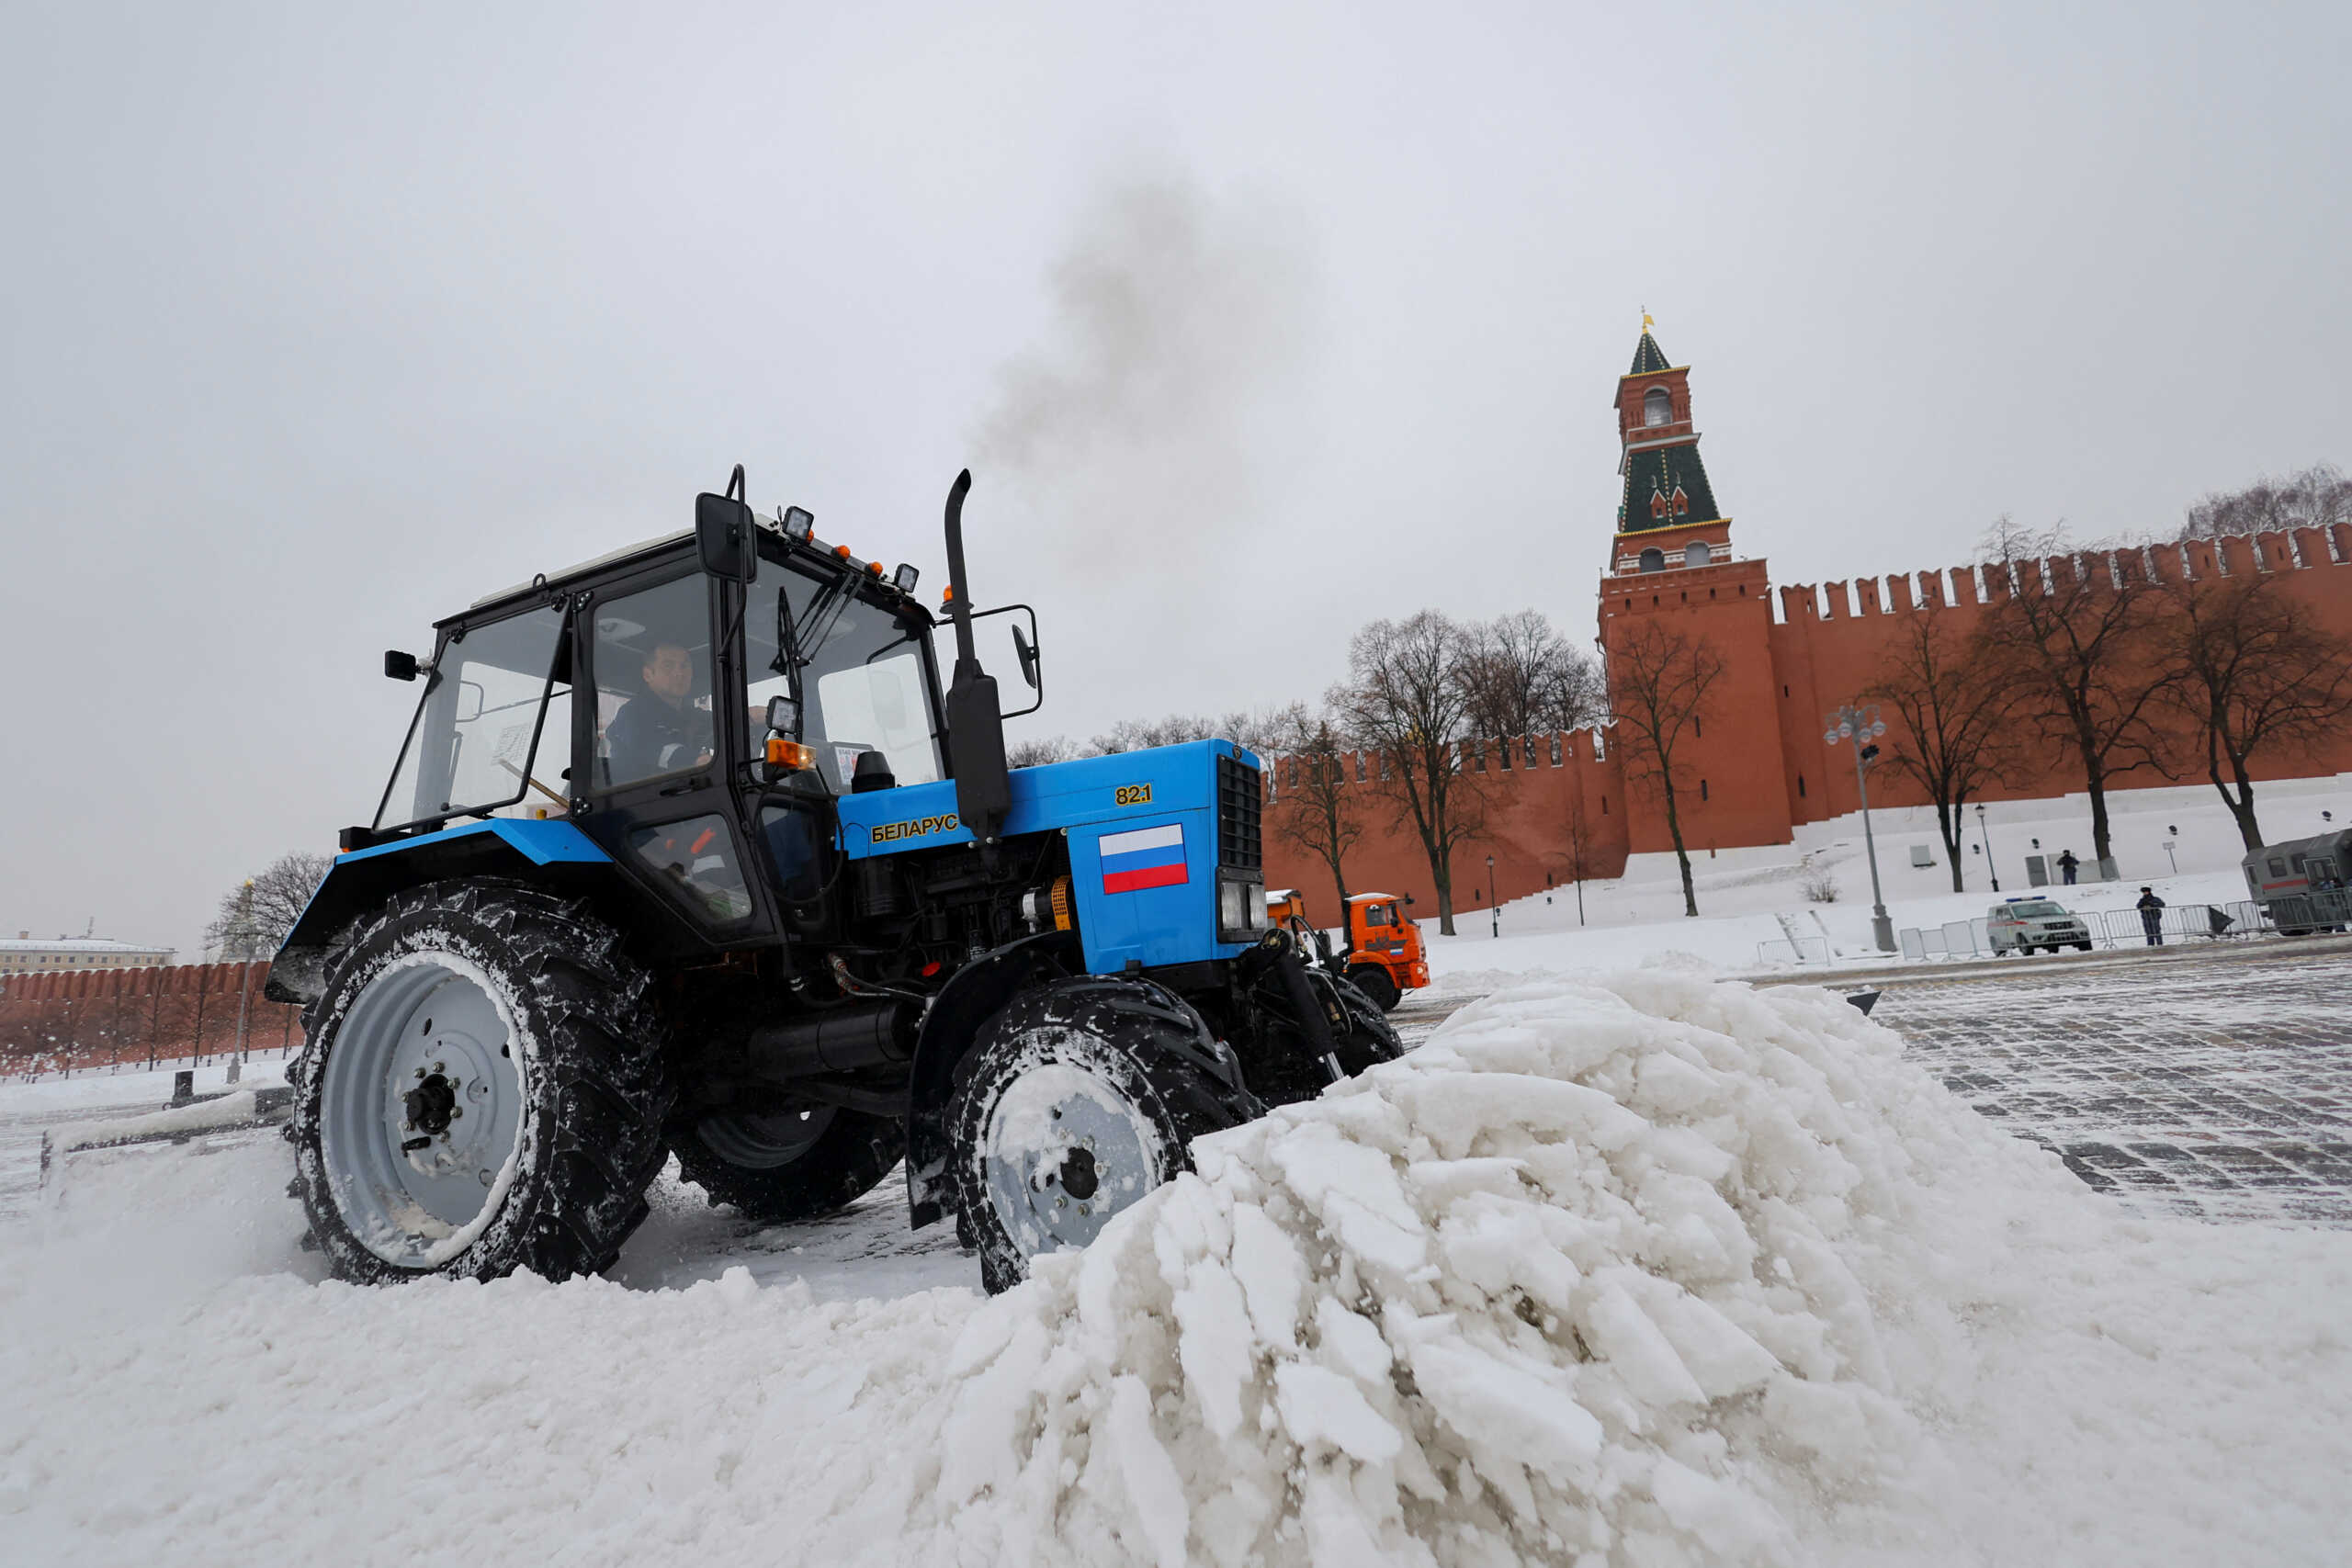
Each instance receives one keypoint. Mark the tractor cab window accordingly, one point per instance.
(865, 680)
(652, 669)
(479, 744)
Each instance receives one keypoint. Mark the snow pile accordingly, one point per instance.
(1573, 1278)
(1637, 1272)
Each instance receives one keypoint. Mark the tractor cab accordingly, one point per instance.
(695, 727)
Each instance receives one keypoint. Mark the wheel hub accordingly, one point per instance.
(431, 1104)
(1079, 1178)
(1062, 1153)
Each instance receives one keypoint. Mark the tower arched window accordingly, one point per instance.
(1695, 554)
(1657, 407)
(1653, 560)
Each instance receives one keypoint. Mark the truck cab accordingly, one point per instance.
(1386, 957)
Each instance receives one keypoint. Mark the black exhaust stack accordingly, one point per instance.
(975, 722)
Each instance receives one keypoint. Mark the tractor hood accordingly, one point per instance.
(1152, 835)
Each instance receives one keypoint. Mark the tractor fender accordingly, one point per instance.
(540, 851)
(972, 996)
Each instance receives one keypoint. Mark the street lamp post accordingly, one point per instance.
(1493, 908)
(1990, 868)
(1860, 727)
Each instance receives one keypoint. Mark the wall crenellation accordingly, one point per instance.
(2300, 550)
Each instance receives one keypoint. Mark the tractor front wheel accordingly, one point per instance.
(795, 1162)
(1076, 1100)
(482, 1089)
(1377, 984)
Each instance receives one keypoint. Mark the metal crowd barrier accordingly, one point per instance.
(2299, 915)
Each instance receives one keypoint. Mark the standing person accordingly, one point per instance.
(2066, 865)
(2151, 915)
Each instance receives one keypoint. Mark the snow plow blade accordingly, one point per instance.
(177, 1123)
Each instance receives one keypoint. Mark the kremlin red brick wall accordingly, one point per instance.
(59, 1021)
(1793, 658)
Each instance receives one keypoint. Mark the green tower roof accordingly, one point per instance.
(1648, 357)
(1655, 475)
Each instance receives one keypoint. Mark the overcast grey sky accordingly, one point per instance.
(1255, 322)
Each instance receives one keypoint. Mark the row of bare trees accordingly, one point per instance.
(1417, 690)
(2122, 660)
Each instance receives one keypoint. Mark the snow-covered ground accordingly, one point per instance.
(1752, 898)
(1638, 1269)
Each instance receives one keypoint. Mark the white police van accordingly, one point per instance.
(2025, 924)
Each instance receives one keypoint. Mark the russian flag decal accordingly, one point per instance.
(1145, 857)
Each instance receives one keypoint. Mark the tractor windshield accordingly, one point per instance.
(478, 739)
(865, 680)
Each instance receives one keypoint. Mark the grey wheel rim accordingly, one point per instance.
(421, 1110)
(767, 1141)
(1062, 1152)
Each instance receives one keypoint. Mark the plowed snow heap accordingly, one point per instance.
(1566, 1280)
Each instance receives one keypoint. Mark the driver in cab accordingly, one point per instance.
(660, 730)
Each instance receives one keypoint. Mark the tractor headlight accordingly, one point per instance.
(1240, 910)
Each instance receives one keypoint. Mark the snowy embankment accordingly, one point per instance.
(1641, 1271)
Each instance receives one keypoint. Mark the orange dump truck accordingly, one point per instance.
(1383, 954)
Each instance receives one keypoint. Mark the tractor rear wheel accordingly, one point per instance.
(796, 1163)
(1075, 1100)
(1377, 984)
(482, 1089)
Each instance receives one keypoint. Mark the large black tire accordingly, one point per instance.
(1377, 984)
(559, 1050)
(1076, 1100)
(795, 1165)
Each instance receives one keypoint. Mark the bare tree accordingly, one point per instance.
(281, 891)
(1037, 751)
(1318, 808)
(1577, 829)
(1258, 729)
(2073, 636)
(1405, 697)
(1955, 710)
(2312, 498)
(1522, 677)
(1661, 683)
(2254, 670)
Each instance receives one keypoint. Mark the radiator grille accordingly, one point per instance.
(1240, 803)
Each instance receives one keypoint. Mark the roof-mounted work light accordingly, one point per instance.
(799, 522)
(904, 578)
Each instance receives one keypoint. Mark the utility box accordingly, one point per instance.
(1923, 855)
(2037, 870)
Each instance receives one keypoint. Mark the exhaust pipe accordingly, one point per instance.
(975, 721)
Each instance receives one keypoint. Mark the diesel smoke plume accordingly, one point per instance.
(1178, 320)
(1142, 443)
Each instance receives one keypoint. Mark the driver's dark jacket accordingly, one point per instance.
(648, 737)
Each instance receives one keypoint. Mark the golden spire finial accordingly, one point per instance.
(1646, 323)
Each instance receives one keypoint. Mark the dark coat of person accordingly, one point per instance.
(648, 736)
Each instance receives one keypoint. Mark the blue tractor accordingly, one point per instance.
(685, 852)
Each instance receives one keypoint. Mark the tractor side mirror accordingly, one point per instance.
(399, 666)
(1025, 652)
(725, 537)
(1024, 647)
